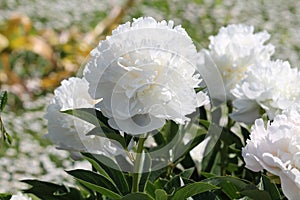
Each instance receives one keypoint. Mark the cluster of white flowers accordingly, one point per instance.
(276, 148)
(252, 80)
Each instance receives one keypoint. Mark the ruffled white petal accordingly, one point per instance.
(145, 68)
(276, 148)
(272, 85)
(234, 49)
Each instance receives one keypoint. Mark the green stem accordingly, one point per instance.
(137, 164)
(224, 149)
(224, 154)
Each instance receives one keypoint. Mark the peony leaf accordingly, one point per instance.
(204, 123)
(137, 196)
(257, 194)
(270, 187)
(150, 188)
(86, 114)
(173, 185)
(111, 169)
(50, 191)
(5, 196)
(187, 173)
(161, 195)
(102, 128)
(96, 166)
(240, 183)
(230, 189)
(193, 189)
(169, 131)
(108, 133)
(231, 186)
(3, 100)
(96, 182)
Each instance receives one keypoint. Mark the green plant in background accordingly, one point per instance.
(5, 137)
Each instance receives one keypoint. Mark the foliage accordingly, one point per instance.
(223, 176)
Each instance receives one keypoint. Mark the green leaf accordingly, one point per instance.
(108, 133)
(231, 186)
(230, 189)
(96, 118)
(270, 187)
(150, 188)
(161, 194)
(240, 183)
(3, 100)
(5, 196)
(127, 138)
(169, 131)
(86, 114)
(112, 169)
(257, 194)
(137, 196)
(204, 123)
(187, 173)
(97, 167)
(207, 175)
(157, 173)
(160, 183)
(173, 184)
(236, 188)
(5, 137)
(50, 191)
(92, 116)
(96, 182)
(193, 189)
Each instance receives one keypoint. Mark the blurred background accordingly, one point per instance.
(43, 42)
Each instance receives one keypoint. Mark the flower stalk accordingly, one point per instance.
(138, 164)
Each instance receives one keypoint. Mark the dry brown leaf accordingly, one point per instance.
(54, 79)
(3, 42)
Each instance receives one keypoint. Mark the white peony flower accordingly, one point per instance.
(20, 196)
(276, 149)
(272, 85)
(234, 49)
(68, 132)
(145, 73)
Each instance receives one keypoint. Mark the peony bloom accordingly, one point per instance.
(20, 196)
(234, 49)
(145, 73)
(276, 149)
(68, 132)
(272, 85)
